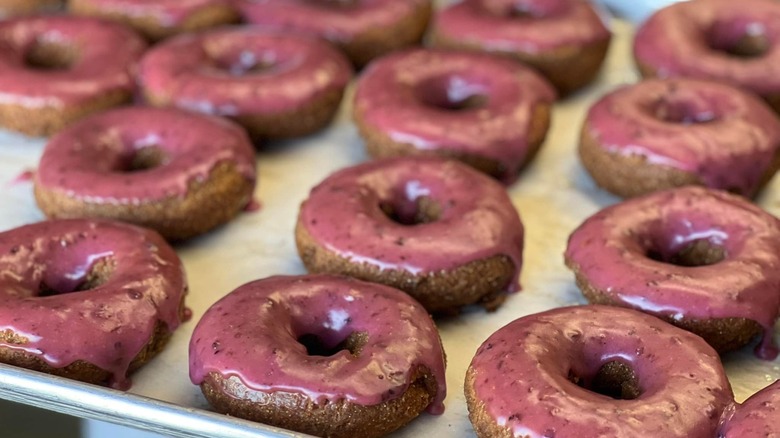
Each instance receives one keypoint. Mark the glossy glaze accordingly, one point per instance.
(610, 250)
(89, 77)
(522, 374)
(260, 323)
(725, 136)
(477, 219)
(107, 325)
(90, 159)
(679, 40)
(758, 416)
(169, 13)
(398, 96)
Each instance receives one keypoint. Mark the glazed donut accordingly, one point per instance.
(595, 371)
(565, 40)
(438, 230)
(179, 173)
(50, 77)
(11, 8)
(362, 29)
(723, 40)
(340, 357)
(88, 300)
(158, 19)
(275, 85)
(660, 134)
(490, 113)
(704, 260)
(758, 416)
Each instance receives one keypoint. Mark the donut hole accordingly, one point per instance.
(614, 379)
(246, 63)
(49, 56)
(422, 210)
(335, 4)
(100, 272)
(682, 111)
(699, 252)
(146, 158)
(451, 92)
(317, 346)
(526, 9)
(740, 38)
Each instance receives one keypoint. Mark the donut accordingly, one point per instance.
(660, 134)
(758, 416)
(565, 40)
(444, 233)
(159, 19)
(11, 8)
(91, 300)
(179, 173)
(704, 260)
(722, 40)
(338, 357)
(53, 70)
(490, 113)
(362, 29)
(595, 371)
(275, 85)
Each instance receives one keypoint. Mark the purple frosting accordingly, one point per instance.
(758, 416)
(90, 76)
(169, 13)
(243, 72)
(107, 325)
(692, 38)
(252, 334)
(405, 96)
(477, 221)
(89, 160)
(611, 249)
(522, 374)
(726, 137)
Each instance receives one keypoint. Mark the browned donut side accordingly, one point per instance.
(11, 8)
(341, 419)
(484, 426)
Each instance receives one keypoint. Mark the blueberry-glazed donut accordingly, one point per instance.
(442, 232)
(565, 40)
(595, 371)
(362, 29)
(53, 70)
(490, 113)
(701, 259)
(660, 134)
(758, 416)
(158, 19)
(11, 8)
(179, 173)
(89, 300)
(275, 85)
(723, 40)
(328, 356)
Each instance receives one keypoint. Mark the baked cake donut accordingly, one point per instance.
(701, 259)
(442, 232)
(566, 40)
(340, 357)
(758, 416)
(595, 371)
(179, 173)
(53, 70)
(723, 40)
(91, 300)
(490, 113)
(11, 8)
(659, 134)
(158, 19)
(275, 85)
(362, 29)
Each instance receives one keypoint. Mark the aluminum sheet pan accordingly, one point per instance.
(553, 196)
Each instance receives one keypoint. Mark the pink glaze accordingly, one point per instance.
(477, 220)
(526, 26)
(169, 13)
(691, 38)
(89, 159)
(337, 21)
(405, 95)
(25, 176)
(252, 333)
(106, 326)
(213, 72)
(610, 250)
(725, 136)
(89, 78)
(522, 374)
(758, 416)
(254, 206)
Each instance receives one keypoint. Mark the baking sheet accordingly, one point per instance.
(553, 196)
